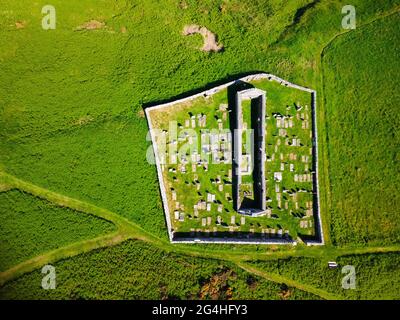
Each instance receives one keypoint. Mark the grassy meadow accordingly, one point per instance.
(31, 226)
(136, 270)
(360, 86)
(72, 121)
(377, 275)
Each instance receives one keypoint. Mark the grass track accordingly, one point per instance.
(325, 177)
(326, 196)
(279, 279)
(129, 230)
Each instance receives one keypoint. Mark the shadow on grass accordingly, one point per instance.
(209, 86)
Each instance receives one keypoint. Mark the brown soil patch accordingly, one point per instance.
(285, 292)
(92, 25)
(183, 5)
(252, 282)
(117, 239)
(4, 187)
(140, 113)
(83, 120)
(223, 8)
(217, 287)
(20, 24)
(210, 39)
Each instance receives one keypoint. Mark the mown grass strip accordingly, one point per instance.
(128, 230)
(122, 223)
(291, 283)
(62, 253)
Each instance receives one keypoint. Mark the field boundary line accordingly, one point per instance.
(379, 17)
(322, 103)
(122, 223)
(319, 240)
(129, 230)
(60, 254)
(291, 283)
(138, 233)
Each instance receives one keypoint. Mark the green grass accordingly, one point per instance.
(135, 270)
(361, 73)
(377, 275)
(31, 226)
(100, 79)
(70, 113)
(98, 163)
(63, 77)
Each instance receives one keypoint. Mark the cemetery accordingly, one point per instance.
(121, 169)
(237, 164)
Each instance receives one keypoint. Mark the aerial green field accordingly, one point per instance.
(135, 270)
(377, 274)
(74, 140)
(31, 226)
(363, 135)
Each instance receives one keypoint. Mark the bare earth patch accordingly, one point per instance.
(83, 120)
(20, 24)
(4, 187)
(92, 25)
(217, 287)
(285, 292)
(183, 5)
(210, 39)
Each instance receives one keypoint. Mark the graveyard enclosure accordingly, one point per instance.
(79, 188)
(216, 187)
(253, 154)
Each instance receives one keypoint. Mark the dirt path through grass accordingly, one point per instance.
(291, 283)
(129, 230)
(322, 124)
(126, 229)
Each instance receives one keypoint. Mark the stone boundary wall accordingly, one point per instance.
(206, 93)
(318, 226)
(233, 241)
(258, 96)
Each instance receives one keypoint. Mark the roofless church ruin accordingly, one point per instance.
(238, 163)
(250, 161)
